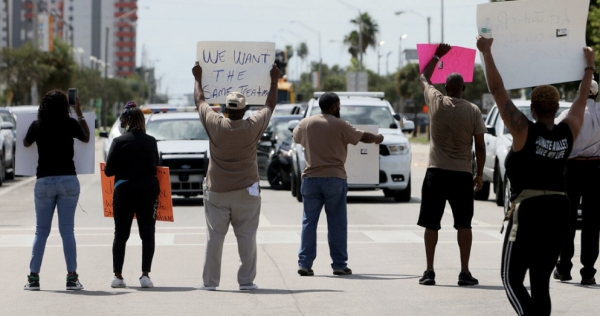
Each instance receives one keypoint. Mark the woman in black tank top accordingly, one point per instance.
(535, 166)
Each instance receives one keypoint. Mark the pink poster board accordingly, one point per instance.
(458, 59)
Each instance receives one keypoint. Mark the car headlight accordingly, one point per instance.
(401, 149)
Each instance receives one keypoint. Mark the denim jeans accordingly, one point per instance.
(330, 192)
(62, 193)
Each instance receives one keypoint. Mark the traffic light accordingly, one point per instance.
(281, 61)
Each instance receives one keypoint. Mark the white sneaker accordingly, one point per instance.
(207, 288)
(117, 283)
(146, 282)
(247, 287)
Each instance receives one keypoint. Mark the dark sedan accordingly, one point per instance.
(274, 161)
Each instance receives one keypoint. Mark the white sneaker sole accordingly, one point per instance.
(119, 286)
(207, 288)
(147, 286)
(31, 288)
(249, 287)
(74, 288)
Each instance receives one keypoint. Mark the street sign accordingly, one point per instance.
(487, 101)
(411, 54)
(357, 84)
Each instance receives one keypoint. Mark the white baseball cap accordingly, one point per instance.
(594, 88)
(235, 101)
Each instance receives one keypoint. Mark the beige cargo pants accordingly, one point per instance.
(242, 210)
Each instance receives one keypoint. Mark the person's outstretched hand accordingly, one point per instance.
(484, 44)
(275, 74)
(590, 56)
(197, 71)
(442, 49)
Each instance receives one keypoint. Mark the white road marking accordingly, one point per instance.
(263, 221)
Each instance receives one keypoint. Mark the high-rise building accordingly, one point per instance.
(81, 23)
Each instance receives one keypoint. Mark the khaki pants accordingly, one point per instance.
(242, 210)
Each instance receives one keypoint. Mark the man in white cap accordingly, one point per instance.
(582, 174)
(231, 190)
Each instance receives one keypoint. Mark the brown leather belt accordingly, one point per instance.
(585, 158)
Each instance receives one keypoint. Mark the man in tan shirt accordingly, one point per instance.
(449, 177)
(231, 192)
(325, 138)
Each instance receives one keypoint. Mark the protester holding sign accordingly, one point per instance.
(132, 159)
(57, 185)
(582, 174)
(231, 189)
(454, 123)
(325, 138)
(535, 165)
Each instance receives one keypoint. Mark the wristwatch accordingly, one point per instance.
(590, 68)
(81, 118)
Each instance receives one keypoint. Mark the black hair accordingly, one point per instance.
(455, 82)
(54, 107)
(327, 100)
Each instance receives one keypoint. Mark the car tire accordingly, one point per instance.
(403, 195)
(274, 175)
(484, 193)
(11, 175)
(299, 188)
(499, 188)
(507, 194)
(2, 168)
(388, 193)
(293, 183)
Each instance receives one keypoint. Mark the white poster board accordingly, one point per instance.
(362, 163)
(538, 41)
(27, 157)
(242, 67)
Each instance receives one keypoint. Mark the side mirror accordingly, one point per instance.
(7, 125)
(103, 134)
(491, 130)
(408, 127)
(292, 125)
(398, 117)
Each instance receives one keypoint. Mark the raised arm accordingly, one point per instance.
(440, 52)
(198, 91)
(516, 122)
(369, 138)
(81, 119)
(272, 97)
(575, 117)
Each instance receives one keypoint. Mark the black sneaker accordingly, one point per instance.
(33, 283)
(465, 279)
(562, 277)
(73, 282)
(344, 271)
(305, 272)
(588, 281)
(428, 278)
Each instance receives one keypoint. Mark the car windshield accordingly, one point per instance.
(364, 115)
(527, 111)
(186, 129)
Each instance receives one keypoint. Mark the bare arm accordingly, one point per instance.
(26, 144)
(480, 160)
(369, 138)
(199, 98)
(82, 122)
(442, 50)
(575, 117)
(272, 97)
(516, 122)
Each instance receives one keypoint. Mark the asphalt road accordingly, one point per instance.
(385, 248)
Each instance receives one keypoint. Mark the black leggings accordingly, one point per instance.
(127, 202)
(543, 222)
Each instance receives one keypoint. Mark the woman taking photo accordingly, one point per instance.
(535, 165)
(132, 159)
(57, 185)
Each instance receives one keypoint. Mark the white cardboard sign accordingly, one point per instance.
(538, 41)
(242, 67)
(27, 157)
(362, 162)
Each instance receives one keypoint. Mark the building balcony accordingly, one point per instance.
(125, 34)
(128, 15)
(125, 44)
(129, 5)
(125, 54)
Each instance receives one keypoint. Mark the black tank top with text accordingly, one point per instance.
(540, 165)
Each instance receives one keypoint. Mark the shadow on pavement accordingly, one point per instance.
(595, 286)
(477, 287)
(378, 200)
(279, 291)
(374, 276)
(165, 289)
(89, 293)
(188, 202)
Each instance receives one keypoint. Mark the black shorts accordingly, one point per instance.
(440, 186)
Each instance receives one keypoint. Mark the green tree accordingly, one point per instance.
(289, 50)
(369, 30)
(302, 52)
(60, 68)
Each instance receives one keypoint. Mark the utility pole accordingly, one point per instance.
(105, 101)
(442, 21)
(36, 45)
(429, 30)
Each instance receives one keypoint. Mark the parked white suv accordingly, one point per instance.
(368, 108)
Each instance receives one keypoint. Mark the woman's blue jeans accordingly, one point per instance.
(62, 193)
(331, 193)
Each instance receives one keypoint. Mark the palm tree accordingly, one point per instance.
(369, 30)
(302, 52)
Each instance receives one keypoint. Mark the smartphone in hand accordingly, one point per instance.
(72, 96)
